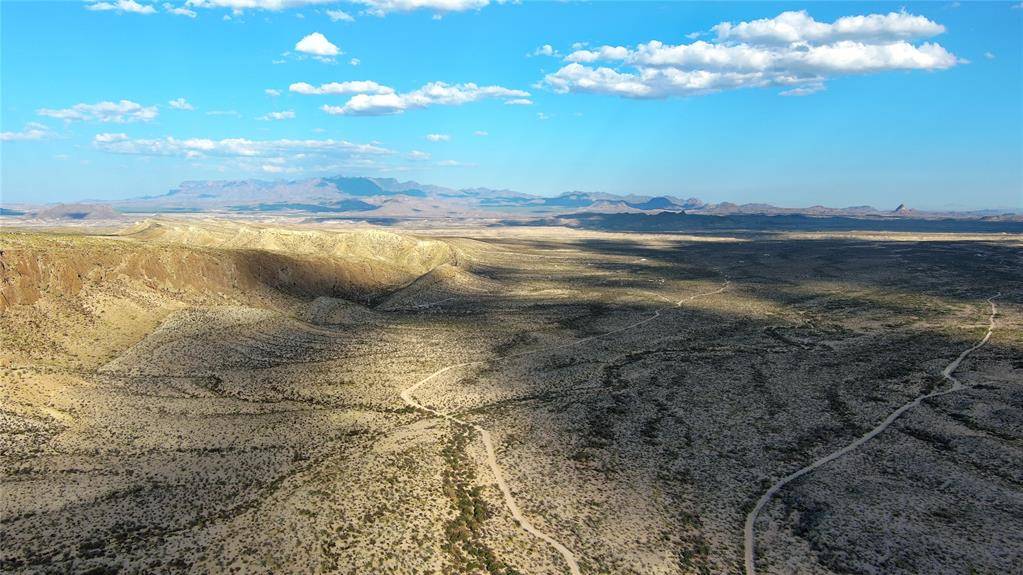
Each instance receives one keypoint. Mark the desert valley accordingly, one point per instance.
(492, 287)
(203, 395)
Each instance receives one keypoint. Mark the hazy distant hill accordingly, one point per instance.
(369, 198)
(78, 212)
(384, 197)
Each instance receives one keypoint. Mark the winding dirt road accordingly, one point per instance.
(749, 536)
(488, 442)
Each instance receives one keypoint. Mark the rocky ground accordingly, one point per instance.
(217, 397)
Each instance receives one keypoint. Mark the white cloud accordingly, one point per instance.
(438, 137)
(224, 113)
(792, 51)
(107, 138)
(339, 16)
(383, 7)
(602, 53)
(519, 102)
(273, 5)
(481, 133)
(121, 6)
(418, 155)
(454, 164)
(355, 61)
(541, 116)
(545, 50)
(350, 87)
(31, 131)
(799, 26)
(276, 116)
(121, 112)
(432, 94)
(803, 90)
(178, 10)
(578, 78)
(230, 147)
(180, 104)
(273, 93)
(317, 44)
(989, 55)
(848, 56)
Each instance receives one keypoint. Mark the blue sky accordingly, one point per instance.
(790, 103)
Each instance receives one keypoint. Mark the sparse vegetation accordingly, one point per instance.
(232, 405)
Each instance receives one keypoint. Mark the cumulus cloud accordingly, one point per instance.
(602, 53)
(119, 143)
(350, 87)
(789, 27)
(178, 10)
(519, 102)
(121, 6)
(31, 131)
(418, 155)
(545, 50)
(438, 137)
(339, 16)
(380, 102)
(276, 116)
(316, 44)
(383, 7)
(121, 112)
(273, 93)
(180, 104)
(791, 51)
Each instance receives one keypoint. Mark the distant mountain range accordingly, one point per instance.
(388, 198)
(384, 197)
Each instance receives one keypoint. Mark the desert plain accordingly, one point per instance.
(210, 396)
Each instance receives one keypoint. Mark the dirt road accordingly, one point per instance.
(488, 442)
(749, 535)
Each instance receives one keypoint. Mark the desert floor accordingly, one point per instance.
(219, 397)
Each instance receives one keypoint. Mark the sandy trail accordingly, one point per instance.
(748, 533)
(488, 442)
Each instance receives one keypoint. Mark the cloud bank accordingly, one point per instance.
(230, 147)
(791, 50)
(31, 131)
(373, 99)
(122, 112)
